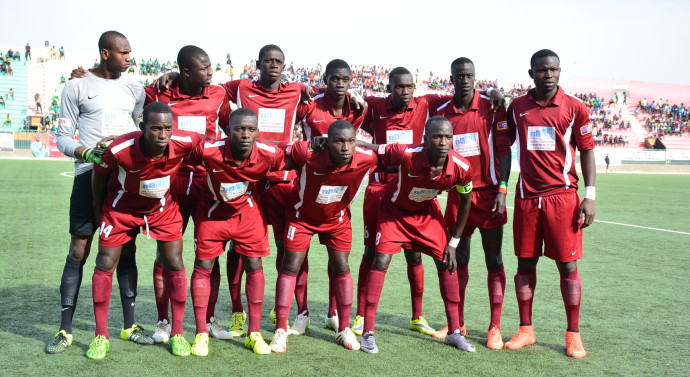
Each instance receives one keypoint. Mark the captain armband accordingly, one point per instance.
(464, 189)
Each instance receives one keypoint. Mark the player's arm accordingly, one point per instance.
(465, 191)
(98, 182)
(163, 83)
(67, 125)
(497, 99)
(589, 175)
(139, 105)
(500, 126)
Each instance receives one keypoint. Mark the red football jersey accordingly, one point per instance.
(317, 116)
(324, 191)
(415, 189)
(546, 139)
(474, 138)
(140, 184)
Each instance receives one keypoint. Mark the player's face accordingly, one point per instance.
(341, 146)
(243, 132)
(272, 65)
(118, 56)
(439, 138)
(157, 131)
(546, 72)
(402, 90)
(463, 78)
(338, 82)
(200, 72)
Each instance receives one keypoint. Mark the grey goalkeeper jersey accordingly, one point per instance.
(98, 108)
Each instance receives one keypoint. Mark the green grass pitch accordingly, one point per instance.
(634, 317)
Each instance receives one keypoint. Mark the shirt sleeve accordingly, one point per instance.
(464, 181)
(69, 116)
(139, 105)
(196, 154)
(582, 129)
(435, 100)
(391, 154)
(231, 88)
(108, 165)
(224, 116)
(302, 111)
(278, 160)
(505, 132)
(500, 126)
(150, 94)
(297, 151)
(368, 121)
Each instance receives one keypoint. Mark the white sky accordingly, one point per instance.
(631, 40)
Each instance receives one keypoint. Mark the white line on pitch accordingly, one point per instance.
(68, 174)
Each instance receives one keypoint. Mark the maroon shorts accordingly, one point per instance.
(335, 233)
(373, 196)
(186, 189)
(247, 230)
(273, 198)
(552, 221)
(424, 231)
(118, 228)
(481, 215)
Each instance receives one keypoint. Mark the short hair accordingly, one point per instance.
(266, 49)
(336, 64)
(430, 122)
(242, 112)
(340, 124)
(107, 39)
(155, 107)
(188, 54)
(460, 61)
(398, 71)
(544, 53)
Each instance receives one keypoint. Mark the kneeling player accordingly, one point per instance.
(320, 204)
(228, 213)
(138, 196)
(411, 214)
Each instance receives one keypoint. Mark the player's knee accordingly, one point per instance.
(78, 249)
(566, 267)
(252, 264)
(413, 257)
(205, 264)
(381, 262)
(493, 260)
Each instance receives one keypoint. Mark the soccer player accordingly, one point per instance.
(410, 205)
(142, 165)
(316, 117)
(103, 103)
(228, 213)
(548, 125)
(320, 204)
(200, 107)
(474, 129)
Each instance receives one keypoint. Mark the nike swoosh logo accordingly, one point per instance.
(574, 252)
(172, 104)
(412, 176)
(92, 97)
(253, 95)
(135, 171)
(315, 173)
(217, 170)
(523, 114)
(63, 309)
(317, 121)
(382, 117)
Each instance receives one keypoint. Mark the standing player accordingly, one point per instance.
(410, 205)
(474, 129)
(320, 204)
(548, 125)
(102, 104)
(228, 213)
(316, 117)
(141, 165)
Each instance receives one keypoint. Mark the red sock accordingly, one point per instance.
(571, 290)
(375, 280)
(162, 296)
(176, 284)
(415, 275)
(450, 293)
(285, 288)
(463, 277)
(213, 296)
(301, 287)
(101, 288)
(364, 268)
(343, 293)
(525, 283)
(234, 270)
(201, 290)
(332, 301)
(496, 282)
(255, 298)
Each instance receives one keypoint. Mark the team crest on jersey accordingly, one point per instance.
(502, 126)
(586, 129)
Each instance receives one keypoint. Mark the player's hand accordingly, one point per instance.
(105, 142)
(497, 100)
(587, 212)
(357, 102)
(78, 73)
(92, 155)
(449, 262)
(499, 204)
(318, 143)
(163, 83)
(307, 94)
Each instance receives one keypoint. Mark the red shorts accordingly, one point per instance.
(273, 202)
(424, 231)
(551, 220)
(247, 230)
(481, 215)
(373, 197)
(186, 189)
(118, 228)
(335, 233)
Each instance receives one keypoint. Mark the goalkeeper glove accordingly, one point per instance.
(93, 155)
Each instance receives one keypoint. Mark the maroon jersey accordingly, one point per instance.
(388, 126)
(317, 116)
(230, 183)
(546, 139)
(323, 190)
(140, 184)
(415, 189)
(474, 138)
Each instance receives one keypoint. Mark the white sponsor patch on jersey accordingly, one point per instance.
(422, 194)
(154, 188)
(271, 120)
(467, 144)
(330, 194)
(399, 136)
(230, 191)
(192, 123)
(115, 122)
(541, 138)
